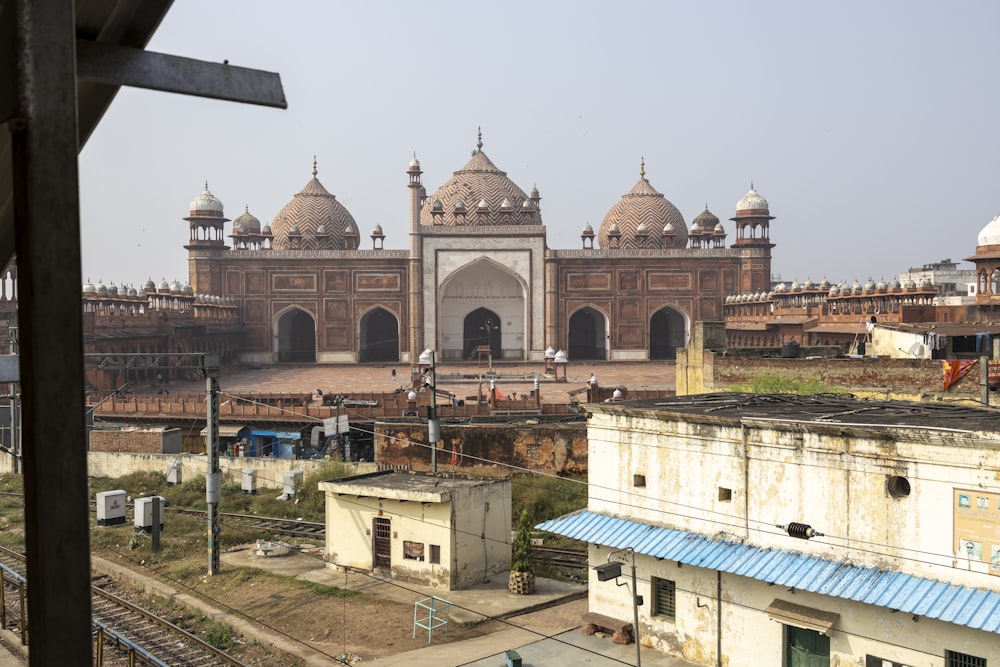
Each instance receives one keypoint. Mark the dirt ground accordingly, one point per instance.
(309, 623)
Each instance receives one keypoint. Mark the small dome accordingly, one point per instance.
(528, 205)
(187, 289)
(101, 287)
(894, 284)
(834, 291)
(246, 223)
(150, 284)
(377, 231)
(437, 205)
(613, 230)
(587, 230)
(483, 206)
(549, 352)
(808, 284)
(642, 228)
(719, 230)
(752, 201)
(133, 291)
(89, 288)
(294, 229)
(705, 221)
(321, 230)
(266, 231)
(824, 284)
(990, 234)
(206, 202)
(795, 286)
(870, 285)
(881, 285)
(780, 288)
(415, 162)
(113, 289)
(349, 230)
(561, 357)
(175, 286)
(164, 285)
(460, 205)
(729, 298)
(910, 284)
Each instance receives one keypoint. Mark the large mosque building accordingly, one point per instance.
(478, 272)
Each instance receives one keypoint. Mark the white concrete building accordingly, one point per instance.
(441, 531)
(789, 530)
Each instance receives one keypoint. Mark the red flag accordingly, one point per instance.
(499, 395)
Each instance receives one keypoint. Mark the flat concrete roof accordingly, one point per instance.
(417, 487)
(825, 409)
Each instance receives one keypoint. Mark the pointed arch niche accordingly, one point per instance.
(483, 303)
(588, 335)
(667, 332)
(379, 336)
(295, 337)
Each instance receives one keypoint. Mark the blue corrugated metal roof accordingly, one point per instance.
(972, 607)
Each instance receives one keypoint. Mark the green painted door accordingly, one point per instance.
(806, 648)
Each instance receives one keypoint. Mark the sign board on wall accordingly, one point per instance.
(977, 527)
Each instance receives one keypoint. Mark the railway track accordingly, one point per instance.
(124, 632)
(573, 560)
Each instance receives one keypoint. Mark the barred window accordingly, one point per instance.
(664, 598)
(956, 659)
(436, 554)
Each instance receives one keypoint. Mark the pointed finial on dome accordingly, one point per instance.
(206, 185)
(751, 184)
(246, 208)
(479, 138)
(314, 166)
(642, 168)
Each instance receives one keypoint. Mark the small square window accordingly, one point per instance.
(956, 659)
(725, 495)
(664, 598)
(436, 554)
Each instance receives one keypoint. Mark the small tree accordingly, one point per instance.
(522, 558)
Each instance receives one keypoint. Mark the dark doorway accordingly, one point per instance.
(666, 334)
(482, 327)
(379, 336)
(381, 543)
(587, 335)
(297, 337)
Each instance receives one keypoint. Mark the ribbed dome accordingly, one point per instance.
(990, 234)
(312, 207)
(499, 201)
(752, 201)
(643, 204)
(206, 203)
(246, 224)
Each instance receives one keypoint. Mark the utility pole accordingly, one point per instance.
(210, 368)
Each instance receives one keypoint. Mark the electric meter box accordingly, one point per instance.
(249, 481)
(144, 513)
(111, 508)
(293, 478)
(175, 473)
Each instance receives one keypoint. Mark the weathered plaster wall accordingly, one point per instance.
(556, 449)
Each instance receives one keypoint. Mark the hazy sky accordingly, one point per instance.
(870, 127)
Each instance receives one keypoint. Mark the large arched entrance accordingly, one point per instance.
(482, 292)
(297, 337)
(666, 333)
(379, 336)
(481, 327)
(588, 335)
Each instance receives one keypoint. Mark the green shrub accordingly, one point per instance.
(522, 558)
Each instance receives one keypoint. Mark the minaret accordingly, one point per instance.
(416, 263)
(206, 222)
(753, 241)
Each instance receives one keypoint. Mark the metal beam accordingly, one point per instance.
(124, 66)
(47, 236)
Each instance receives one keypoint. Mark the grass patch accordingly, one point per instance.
(545, 497)
(777, 384)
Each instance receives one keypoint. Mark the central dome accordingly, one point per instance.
(479, 194)
(990, 234)
(643, 205)
(314, 211)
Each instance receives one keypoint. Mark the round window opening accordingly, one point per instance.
(899, 487)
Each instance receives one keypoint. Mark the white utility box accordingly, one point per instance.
(111, 508)
(293, 478)
(250, 481)
(174, 475)
(144, 513)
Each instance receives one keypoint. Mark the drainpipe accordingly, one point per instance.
(718, 618)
